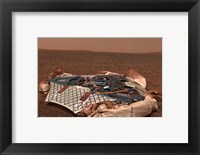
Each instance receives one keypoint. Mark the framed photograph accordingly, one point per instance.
(99, 77)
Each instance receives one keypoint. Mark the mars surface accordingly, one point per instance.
(90, 62)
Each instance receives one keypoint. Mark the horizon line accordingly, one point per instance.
(97, 51)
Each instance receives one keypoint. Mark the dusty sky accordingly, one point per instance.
(120, 45)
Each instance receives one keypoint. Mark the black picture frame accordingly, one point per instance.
(9, 6)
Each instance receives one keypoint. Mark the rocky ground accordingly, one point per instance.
(86, 62)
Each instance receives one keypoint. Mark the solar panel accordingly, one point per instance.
(74, 98)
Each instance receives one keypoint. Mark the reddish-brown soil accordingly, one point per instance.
(86, 62)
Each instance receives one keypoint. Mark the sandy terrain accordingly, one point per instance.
(86, 62)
